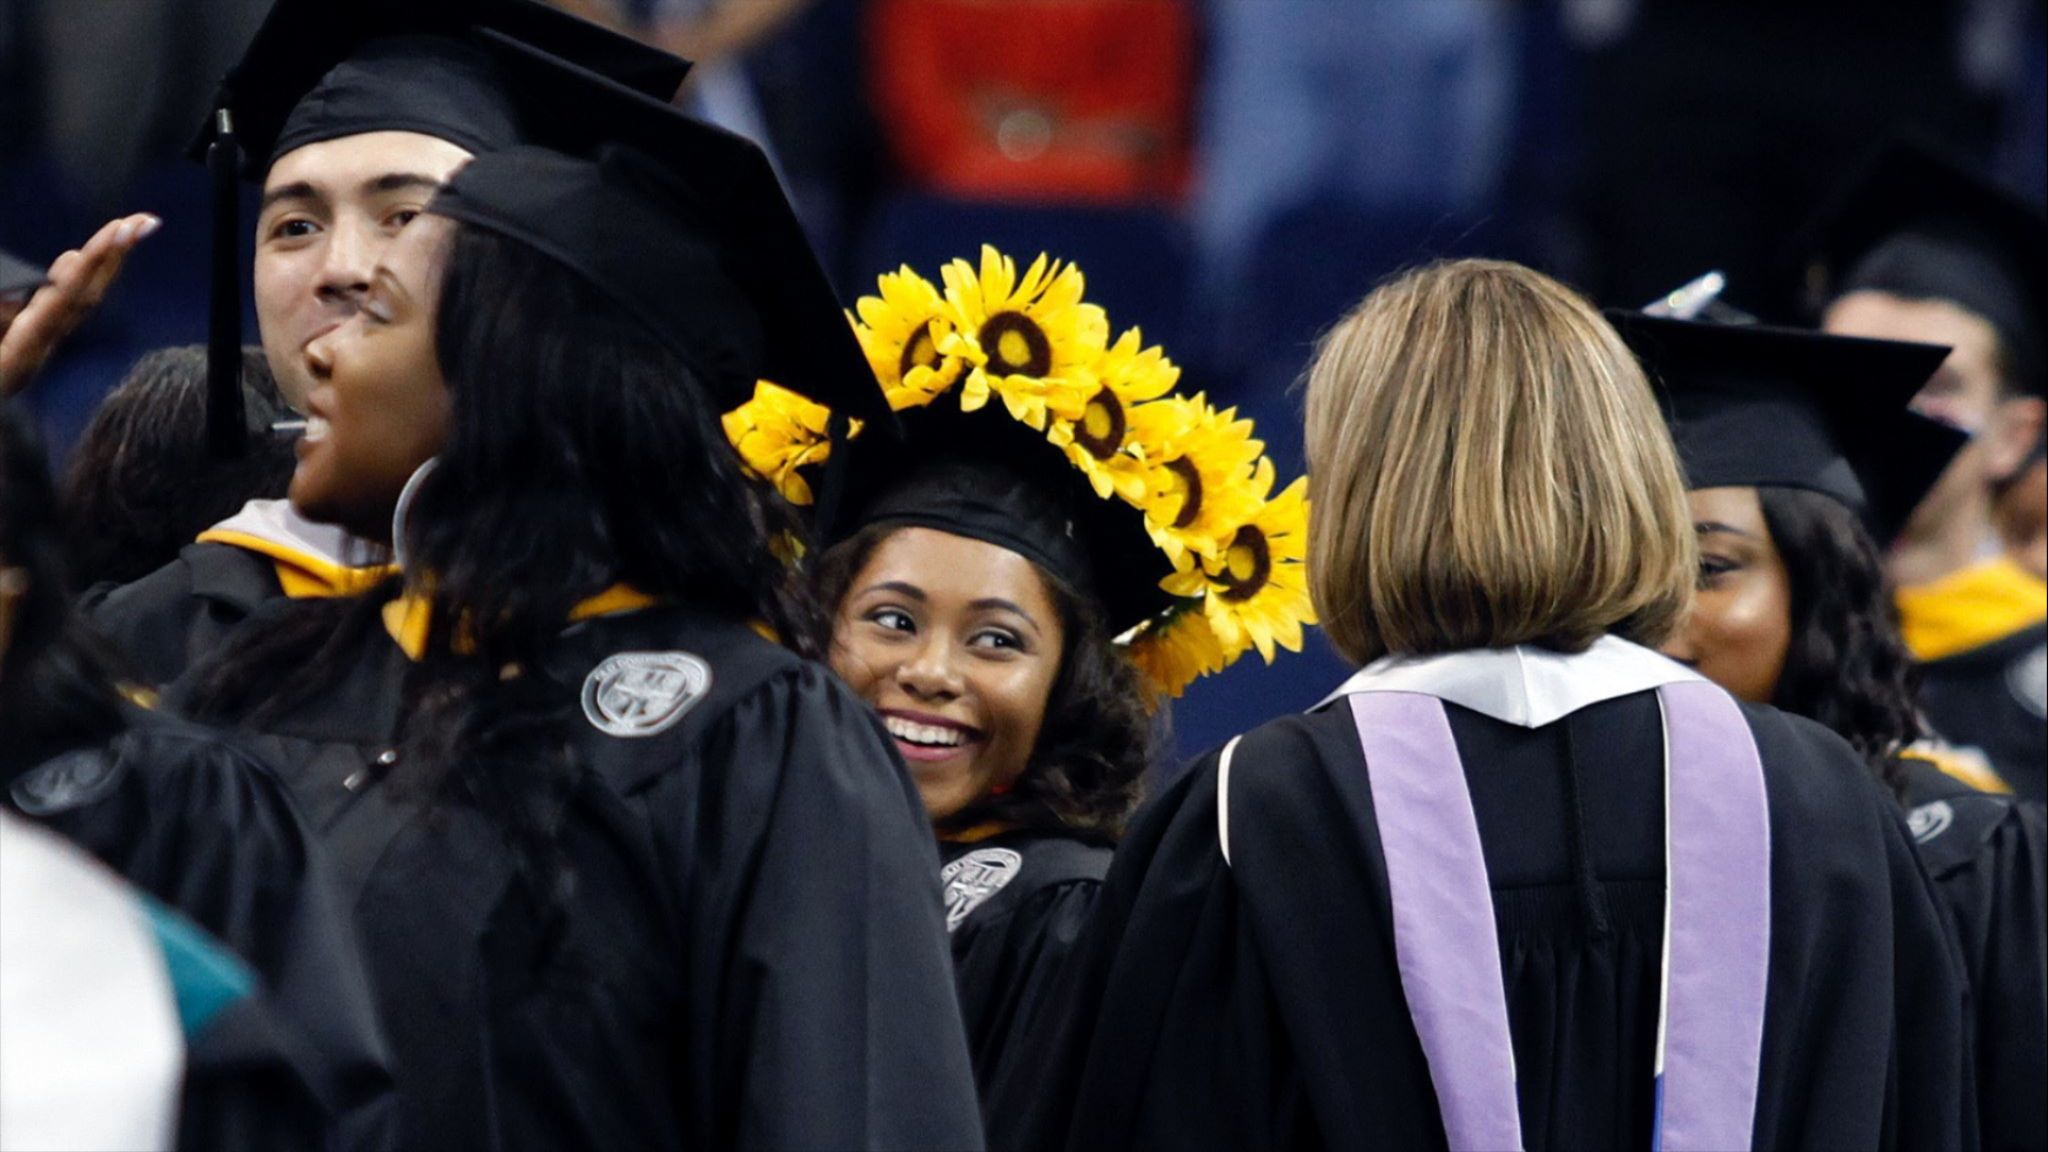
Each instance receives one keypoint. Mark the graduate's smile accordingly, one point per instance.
(923, 737)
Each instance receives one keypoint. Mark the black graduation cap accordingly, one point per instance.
(683, 224)
(317, 70)
(988, 477)
(1919, 224)
(18, 275)
(321, 69)
(1753, 405)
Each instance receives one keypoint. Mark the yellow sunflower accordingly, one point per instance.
(1200, 473)
(1255, 591)
(1095, 435)
(1175, 654)
(1031, 341)
(901, 330)
(778, 432)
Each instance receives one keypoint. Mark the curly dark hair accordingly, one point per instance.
(57, 682)
(1086, 772)
(581, 452)
(1845, 666)
(141, 481)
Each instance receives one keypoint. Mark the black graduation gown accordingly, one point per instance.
(1015, 905)
(1989, 698)
(1986, 855)
(752, 953)
(164, 622)
(1258, 1004)
(203, 827)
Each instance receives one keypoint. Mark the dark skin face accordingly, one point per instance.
(1741, 623)
(956, 643)
(379, 406)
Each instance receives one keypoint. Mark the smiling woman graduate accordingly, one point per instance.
(1058, 541)
(628, 874)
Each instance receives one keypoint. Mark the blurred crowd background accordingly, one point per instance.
(1230, 174)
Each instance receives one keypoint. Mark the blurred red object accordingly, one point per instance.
(1063, 101)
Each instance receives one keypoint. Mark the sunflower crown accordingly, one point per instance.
(1203, 484)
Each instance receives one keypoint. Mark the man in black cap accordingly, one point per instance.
(351, 115)
(1921, 249)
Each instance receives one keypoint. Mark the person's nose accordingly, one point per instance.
(350, 256)
(931, 672)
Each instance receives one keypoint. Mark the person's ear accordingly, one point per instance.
(2019, 427)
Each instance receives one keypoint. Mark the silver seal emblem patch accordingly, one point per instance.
(1929, 820)
(975, 877)
(643, 693)
(72, 780)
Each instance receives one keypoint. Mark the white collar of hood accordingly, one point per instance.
(277, 521)
(1526, 685)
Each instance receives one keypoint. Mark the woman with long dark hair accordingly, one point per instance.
(1000, 584)
(1801, 455)
(630, 874)
(292, 1056)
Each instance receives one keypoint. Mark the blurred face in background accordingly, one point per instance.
(329, 211)
(1968, 392)
(1741, 622)
(379, 405)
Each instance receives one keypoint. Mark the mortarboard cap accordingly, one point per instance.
(320, 70)
(18, 275)
(1758, 406)
(990, 478)
(684, 225)
(1920, 225)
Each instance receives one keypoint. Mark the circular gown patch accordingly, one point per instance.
(975, 877)
(644, 693)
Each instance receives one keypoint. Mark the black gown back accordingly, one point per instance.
(1258, 1004)
(748, 950)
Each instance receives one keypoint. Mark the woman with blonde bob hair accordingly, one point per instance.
(1521, 882)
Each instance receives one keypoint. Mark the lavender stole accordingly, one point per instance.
(1716, 919)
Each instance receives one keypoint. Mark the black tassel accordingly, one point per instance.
(227, 432)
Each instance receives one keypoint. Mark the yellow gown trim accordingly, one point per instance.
(1971, 608)
(302, 575)
(1956, 764)
(409, 617)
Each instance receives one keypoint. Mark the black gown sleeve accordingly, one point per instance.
(210, 832)
(1868, 1000)
(1007, 968)
(1996, 897)
(822, 1012)
(1150, 1012)
(164, 623)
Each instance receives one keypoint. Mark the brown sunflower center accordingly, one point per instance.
(919, 351)
(1247, 565)
(1016, 345)
(1185, 481)
(1101, 427)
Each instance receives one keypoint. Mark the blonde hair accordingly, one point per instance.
(1488, 468)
